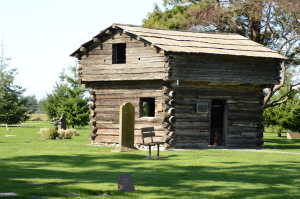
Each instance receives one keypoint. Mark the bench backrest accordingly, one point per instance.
(147, 132)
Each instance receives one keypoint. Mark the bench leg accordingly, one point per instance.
(158, 150)
(149, 152)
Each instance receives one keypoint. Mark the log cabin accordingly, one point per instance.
(198, 90)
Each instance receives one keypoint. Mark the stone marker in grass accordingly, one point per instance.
(293, 135)
(125, 183)
(8, 194)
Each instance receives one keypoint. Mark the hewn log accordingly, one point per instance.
(92, 92)
(170, 133)
(171, 111)
(93, 98)
(93, 113)
(92, 135)
(109, 32)
(172, 120)
(92, 106)
(97, 40)
(138, 38)
(93, 122)
(79, 81)
(171, 142)
(83, 49)
(93, 129)
(170, 102)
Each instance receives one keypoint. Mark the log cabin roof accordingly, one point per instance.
(193, 42)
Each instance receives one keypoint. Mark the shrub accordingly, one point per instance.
(42, 132)
(51, 134)
(66, 134)
(47, 134)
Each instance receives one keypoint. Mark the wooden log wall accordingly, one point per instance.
(223, 69)
(93, 113)
(169, 122)
(111, 95)
(244, 115)
(143, 62)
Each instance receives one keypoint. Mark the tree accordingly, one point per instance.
(13, 107)
(32, 103)
(68, 97)
(287, 114)
(273, 23)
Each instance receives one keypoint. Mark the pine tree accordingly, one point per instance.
(13, 106)
(68, 97)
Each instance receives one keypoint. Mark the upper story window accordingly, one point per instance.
(119, 53)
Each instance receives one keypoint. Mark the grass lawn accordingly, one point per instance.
(32, 167)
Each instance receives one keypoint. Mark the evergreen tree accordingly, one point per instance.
(13, 106)
(32, 103)
(68, 97)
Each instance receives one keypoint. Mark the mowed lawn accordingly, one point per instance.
(33, 168)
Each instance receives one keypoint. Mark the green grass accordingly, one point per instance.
(32, 167)
(281, 143)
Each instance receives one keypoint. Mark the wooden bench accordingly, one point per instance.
(148, 132)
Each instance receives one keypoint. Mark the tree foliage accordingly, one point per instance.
(13, 106)
(285, 115)
(68, 97)
(32, 103)
(273, 23)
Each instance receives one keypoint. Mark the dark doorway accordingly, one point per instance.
(217, 122)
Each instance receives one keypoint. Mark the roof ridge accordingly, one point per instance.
(173, 30)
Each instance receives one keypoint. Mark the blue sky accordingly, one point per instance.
(41, 34)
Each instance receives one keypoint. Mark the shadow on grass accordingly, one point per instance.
(281, 143)
(166, 179)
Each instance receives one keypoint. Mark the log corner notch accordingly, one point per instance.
(97, 40)
(169, 119)
(83, 49)
(93, 127)
(78, 56)
(114, 26)
(109, 32)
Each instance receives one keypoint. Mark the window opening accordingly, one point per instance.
(119, 53)
(147, 107)
(202, 107)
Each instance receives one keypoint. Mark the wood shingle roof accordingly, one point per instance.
(192, 42)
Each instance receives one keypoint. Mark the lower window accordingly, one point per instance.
(147, 107)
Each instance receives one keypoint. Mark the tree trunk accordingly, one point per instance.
(255, 20)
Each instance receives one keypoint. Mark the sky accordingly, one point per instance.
(41, 34)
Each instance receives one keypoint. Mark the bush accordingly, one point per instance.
(42, 132)
(66, 134)
(47, 134)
